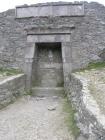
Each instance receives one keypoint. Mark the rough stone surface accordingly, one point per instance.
(29, 119)
(89, 118)
(11, 88)
(86, 41)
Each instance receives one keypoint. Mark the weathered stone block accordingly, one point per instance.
(48, 38)
(11, 88)
(50, 10)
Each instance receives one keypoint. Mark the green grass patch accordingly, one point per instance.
(69, 119)
(28, 92)
(97, 65)
(9, 71)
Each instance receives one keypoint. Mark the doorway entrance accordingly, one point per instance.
(49, 66)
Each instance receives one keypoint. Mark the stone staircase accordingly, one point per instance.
(47, 91)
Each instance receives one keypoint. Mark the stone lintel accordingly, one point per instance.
(50, 30)
(50, 4)
(50, 10)
(38, 38)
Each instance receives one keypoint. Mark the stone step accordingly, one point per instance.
(48, 91)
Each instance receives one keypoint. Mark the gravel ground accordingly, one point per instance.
(34, 118)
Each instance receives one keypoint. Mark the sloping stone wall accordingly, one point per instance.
(12, 41)
(87, 40)
(11, 88)
(88, 116)
(87, 35)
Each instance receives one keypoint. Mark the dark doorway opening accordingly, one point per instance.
(48, 65)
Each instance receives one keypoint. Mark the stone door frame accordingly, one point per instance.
(48, 36)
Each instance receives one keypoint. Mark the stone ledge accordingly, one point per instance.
(89, 118)
(11, 88)
(50, 4)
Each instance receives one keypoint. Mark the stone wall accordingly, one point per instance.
(87, 35)
(12, 41)
(87, 40)
(11, 88)
(88, 116)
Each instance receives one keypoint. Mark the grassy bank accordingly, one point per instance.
(97, 65)
(9, 71)
(69, 119)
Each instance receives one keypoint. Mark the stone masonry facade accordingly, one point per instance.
(79, 30)
(86, 39)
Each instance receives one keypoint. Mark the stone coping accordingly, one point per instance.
(89, 117)
(50, 10)
(7, 79)
(11, 88)
(51, 4)
(89, 102)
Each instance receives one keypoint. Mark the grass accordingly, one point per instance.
(29, 92)
(9, 71)
(97, 65)
(69, 119)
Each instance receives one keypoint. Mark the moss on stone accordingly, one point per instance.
(69, 119)
(96, 65)
(28, 92)
(9, 71)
